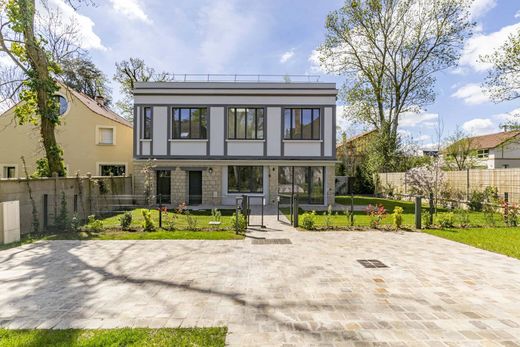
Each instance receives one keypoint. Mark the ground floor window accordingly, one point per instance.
(245, 179)
(304, 181)
(112, 170)
(9, 172)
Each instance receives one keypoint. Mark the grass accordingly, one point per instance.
(114, 337)
(499, 240)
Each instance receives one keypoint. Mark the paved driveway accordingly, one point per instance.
(311, 292)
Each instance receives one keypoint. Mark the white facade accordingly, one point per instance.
(309, 144)
(505, 156)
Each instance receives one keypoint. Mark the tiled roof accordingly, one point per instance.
(492, 140)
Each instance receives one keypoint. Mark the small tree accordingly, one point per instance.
(62, 219)
(460, 153)
(425, 180)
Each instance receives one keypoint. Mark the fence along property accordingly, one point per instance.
(505, 180)
(83, 195)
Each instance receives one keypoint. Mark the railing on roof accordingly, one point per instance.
(244, 78)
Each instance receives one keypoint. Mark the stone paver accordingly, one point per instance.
(311, 292)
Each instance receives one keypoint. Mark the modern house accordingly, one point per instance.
(209, 142)
(94, 139)
(497, 151)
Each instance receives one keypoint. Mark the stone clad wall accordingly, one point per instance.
(83, 196)
(212, 186)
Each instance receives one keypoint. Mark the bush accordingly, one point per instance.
(62, 220)
(308, 220)
(463, 217)
(510, 213)
(446, 220)
(476, 200)
(216, 215)
(94, 225)
(148, 223)
(239, 223)
(376, 214)
(191, 221)
(397, 217)
(426, 219)
(75, 223)
(125, 220)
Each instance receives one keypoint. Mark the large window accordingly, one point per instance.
(112, 170)
(246, 123)
(189, 123)
(146, 132)
(245, 179)
(302, 124)
(306, 182)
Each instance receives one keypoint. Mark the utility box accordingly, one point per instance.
(9, 222)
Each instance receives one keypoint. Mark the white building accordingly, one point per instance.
(210, 142)
(498, 151)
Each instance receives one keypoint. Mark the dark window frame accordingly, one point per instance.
(147, 123)
(309, 174)
(251, 180)
(173, 135)
(314, 137)
(235, 130)
(7, 169)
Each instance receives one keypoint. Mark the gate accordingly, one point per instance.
(243, 206)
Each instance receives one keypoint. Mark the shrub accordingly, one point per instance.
(62, 220)
(239, 222)
(510, 214)
(181, 208)
(446, 220)
(397, 217)
(148, 223)
(376, 214)
(191, 221)
(476, 200)
(168, 220)
(328, 217)
(426, 219)
(216, 215)
(463, 217)
(125, 220)
(308, 220)
(75, 223)
(94, 225)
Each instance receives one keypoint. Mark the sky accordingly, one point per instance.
(279, 37)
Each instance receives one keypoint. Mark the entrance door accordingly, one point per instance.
(163, 186)
(195, 188)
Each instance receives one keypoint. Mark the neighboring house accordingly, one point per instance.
(214, 141)
(353, 151)
(94, 139)
(497, 151)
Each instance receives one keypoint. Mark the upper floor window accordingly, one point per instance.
(106, 136)
(63, 104)
(189, 123)
(146, 132)
(483, 153)
(302, 124)
(9, 172)
(246, 123)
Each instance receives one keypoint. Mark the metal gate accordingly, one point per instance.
(243, 206)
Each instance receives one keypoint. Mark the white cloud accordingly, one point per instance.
(481, 44)
(481, 7)
(479, 126)
(517, 14)
(85, 25)
(131, 9)
(424, 119)
(511, 116)
(287, 56)
(472, 94)
(225, 31)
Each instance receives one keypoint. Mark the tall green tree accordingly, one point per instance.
(82, 75)
(130, 71)
(389, 52)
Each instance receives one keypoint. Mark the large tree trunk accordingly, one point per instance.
(40, 66)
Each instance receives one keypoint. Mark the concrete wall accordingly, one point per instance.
(506, 181)
(92, 195)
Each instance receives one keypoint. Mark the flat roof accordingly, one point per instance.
(235, 85)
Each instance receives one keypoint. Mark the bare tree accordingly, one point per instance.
(389, 52)
(460, 153)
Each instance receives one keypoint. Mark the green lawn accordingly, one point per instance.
(114, 337)
(500, 240)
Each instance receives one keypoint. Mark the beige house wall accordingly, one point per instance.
(77, 135)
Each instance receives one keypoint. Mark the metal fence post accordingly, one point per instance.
(295, 210)
(506, 208)
(418, 211)
(45, 211)
(467, 185)
(351, 209)
(160, 211)
(432, 208)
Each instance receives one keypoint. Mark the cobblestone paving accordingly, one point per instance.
(311, 292)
